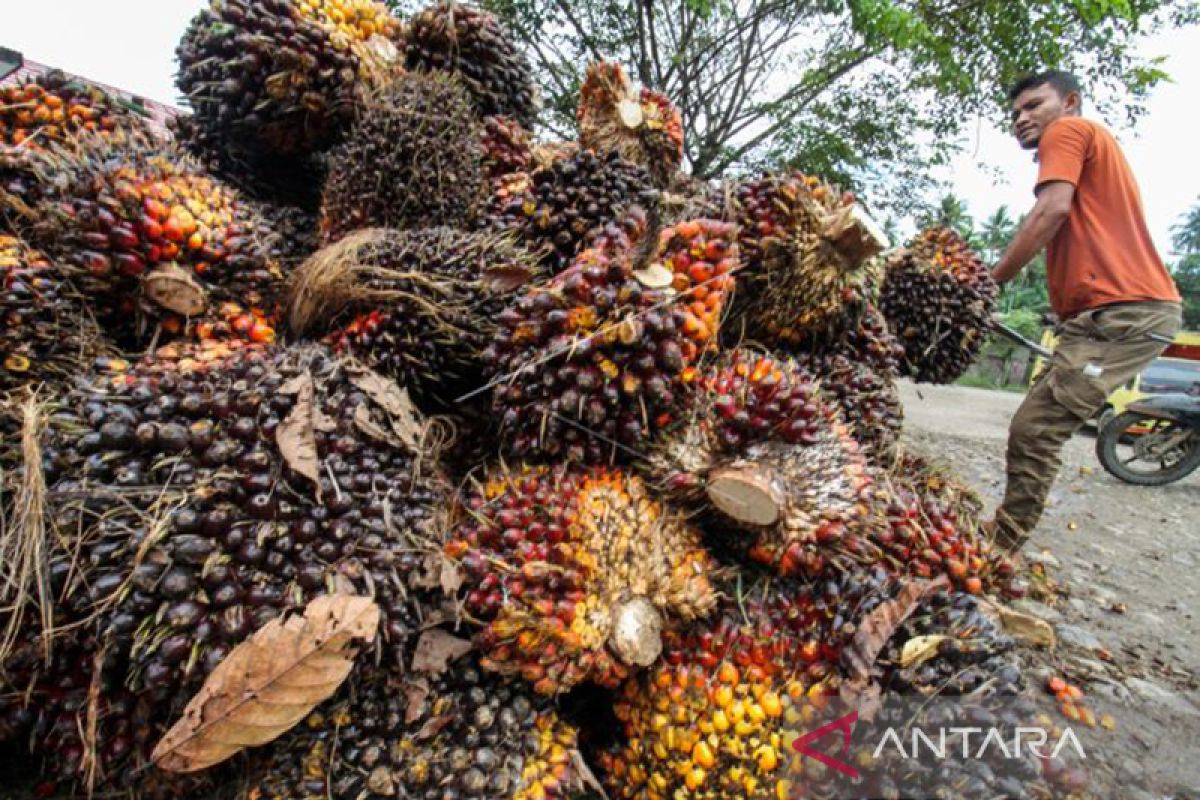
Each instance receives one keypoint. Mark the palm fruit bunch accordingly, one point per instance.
(575, 572)
(769, 452)
(558, 209)
(809, 252)
(280, 77)
(419, 306)
(507, 148)
(53, 108)
(414, 155)
(601, 356)
(471, 42)
(932, 527)
(295, 235)
(972, 678)
(642, 126)
(938, 298)
(46, 331)
(462, 734)
(143, 232)
(858, 372)
(202, 493)
(716, 716)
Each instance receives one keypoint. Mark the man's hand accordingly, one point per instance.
(1048, 214)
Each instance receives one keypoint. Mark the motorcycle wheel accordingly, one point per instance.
(1118, 455)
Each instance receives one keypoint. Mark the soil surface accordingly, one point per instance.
(1126, 560)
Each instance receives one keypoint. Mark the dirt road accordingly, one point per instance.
(1127, 558)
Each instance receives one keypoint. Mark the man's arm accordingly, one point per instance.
(1048, 214)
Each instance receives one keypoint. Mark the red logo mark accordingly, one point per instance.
(846, 726)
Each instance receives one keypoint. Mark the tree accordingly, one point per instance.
(997, 231)
(868, 92)
(951, 213)
(1185, 239)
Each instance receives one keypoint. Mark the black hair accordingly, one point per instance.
(1063, 82)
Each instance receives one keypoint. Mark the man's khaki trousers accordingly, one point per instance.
(1098, 351)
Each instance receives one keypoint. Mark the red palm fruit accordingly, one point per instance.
(643, 127)
(621, 568)
(938, 298)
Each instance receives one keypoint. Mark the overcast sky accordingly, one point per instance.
(131, 44)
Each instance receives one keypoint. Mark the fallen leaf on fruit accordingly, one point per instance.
(1024, 627)
(881, 623)
(296, 435)
(436, 649)
(920, 649)
(269, 682)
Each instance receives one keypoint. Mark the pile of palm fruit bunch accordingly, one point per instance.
(613, 455)
(938, 299)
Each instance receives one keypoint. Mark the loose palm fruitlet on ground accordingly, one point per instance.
(575, 573)
(196, 496)
(460, 734)
(419, 306)
(558, 209)
(280, 77)
(414, 154)
(716, 717)
(809, 253)
(642, 126)
(938, 298)
(143, 232)
(471, 42)
(47, 331)
(591, 365)
(52, 108)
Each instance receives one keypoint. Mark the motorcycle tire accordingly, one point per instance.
(1106, 451)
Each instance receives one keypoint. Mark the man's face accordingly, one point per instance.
(1034, 110)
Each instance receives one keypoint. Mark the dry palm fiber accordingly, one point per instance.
(414, 156)
(574, 573)
(809, 259)
(458, 732)
(558, 209)
(417, 305)
(47, 332)
(470, 42)
(642, 125)
(199, 495)
(591, 365)
(938, 298)
(143, 232)
(280, 77)
(53, 108)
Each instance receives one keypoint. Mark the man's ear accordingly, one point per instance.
(1073, 103)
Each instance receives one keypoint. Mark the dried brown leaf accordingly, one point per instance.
(507, 278)
(269, 682)
(175, 290)
(920, 649)
(405, 419)
(874, 632)
(296, 435)
(415, 694)
(435, 649)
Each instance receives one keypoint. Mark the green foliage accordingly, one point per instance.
(869, 92)
(1185, 239)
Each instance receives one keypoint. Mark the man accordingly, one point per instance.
(1107, 285)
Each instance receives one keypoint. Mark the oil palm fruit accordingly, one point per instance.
(716, 717)
(188, 520)
(46, 330)
(561, 207)
(281, 77)
(53, 108)
(938, 298)
(469, 41)
(574, 572)
(809, 254)
(764, 448)
(418, 305)
(462, 733)
(507, 148)
(600, 357)
(143, 232)
(868, 399)
(414, 155)
(642, 126)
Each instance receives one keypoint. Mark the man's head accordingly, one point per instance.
(1038, 100)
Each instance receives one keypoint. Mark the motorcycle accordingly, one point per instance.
(1155, 441)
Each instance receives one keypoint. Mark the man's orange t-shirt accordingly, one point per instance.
(1103, 253)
